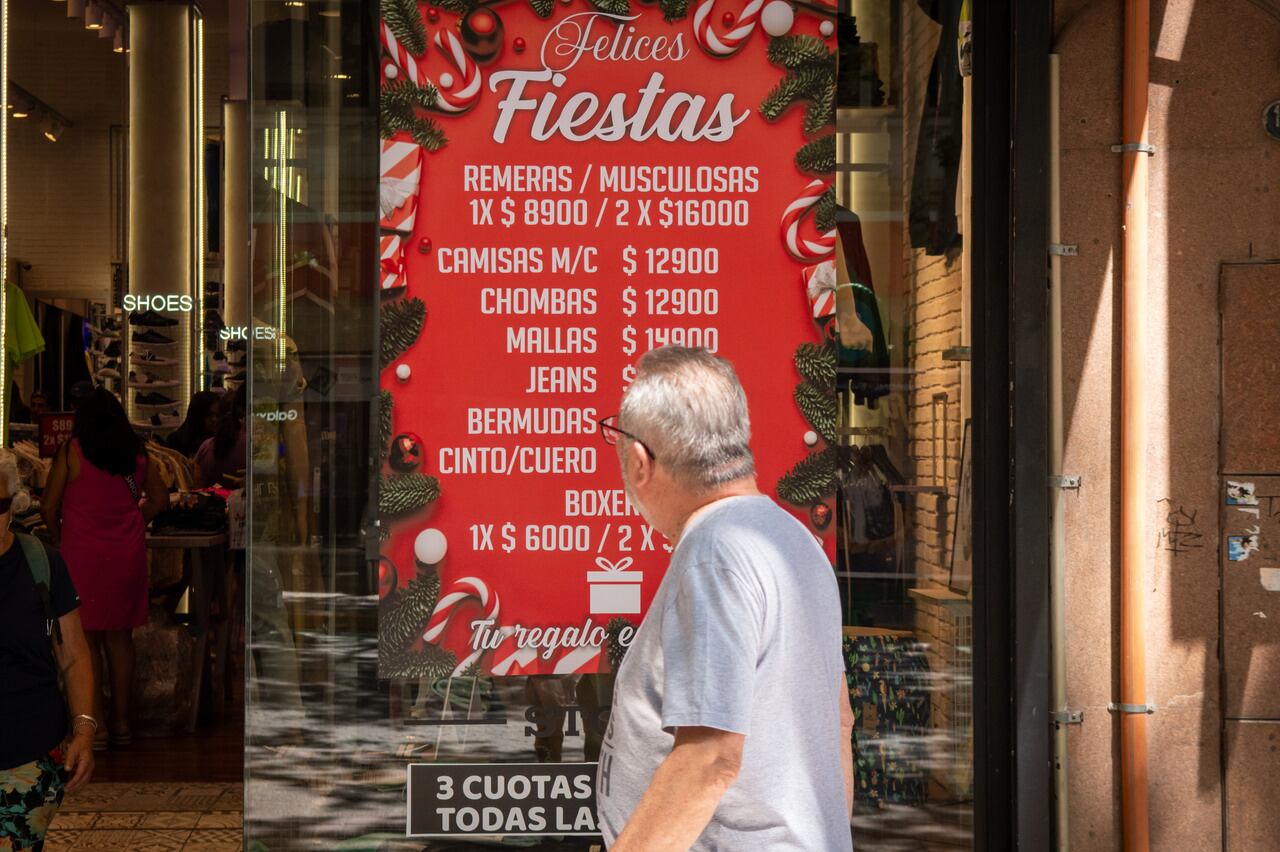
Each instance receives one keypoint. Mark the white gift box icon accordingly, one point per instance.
(615, 590)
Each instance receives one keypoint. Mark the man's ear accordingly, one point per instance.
(639, 464)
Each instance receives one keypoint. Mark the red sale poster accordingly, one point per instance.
(565, 186)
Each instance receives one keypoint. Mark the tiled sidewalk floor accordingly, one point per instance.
(113, 817)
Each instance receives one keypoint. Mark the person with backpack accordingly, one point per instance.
(46, 736)
(95, 509)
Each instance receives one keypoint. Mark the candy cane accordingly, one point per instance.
(806, 250)
(461, 93)
(460, 591)
(717, 45)
(402, 61)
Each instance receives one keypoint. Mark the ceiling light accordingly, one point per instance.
(75, 8)
(17, 113)
(53, 127)
(119, 45)
(339, 76)
(109, 27)
(93, 17)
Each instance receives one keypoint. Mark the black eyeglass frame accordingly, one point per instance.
(609, 431)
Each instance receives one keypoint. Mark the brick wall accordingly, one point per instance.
(933, 301)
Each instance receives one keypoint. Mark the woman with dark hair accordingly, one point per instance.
(198, 425)
(95, 509)
(221, 460)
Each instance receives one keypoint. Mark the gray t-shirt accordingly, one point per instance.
(743, 635)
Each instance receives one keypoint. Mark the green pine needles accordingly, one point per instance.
(811, 77)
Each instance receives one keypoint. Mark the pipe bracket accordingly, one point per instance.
(1132, 709)
(1067, 482)
(1062, 250)
(1069, 717)
(1135, 148)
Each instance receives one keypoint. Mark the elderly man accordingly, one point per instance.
(731, 724)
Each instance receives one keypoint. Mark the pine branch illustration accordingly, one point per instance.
(674, 10)
(460, 7)
(813, 478)
(407, 493)
(405, 95)
(817, 363)
(824, 210)
(425, 132)
(432, 663)
(386, 403)
(819, 156)
(613, 7)
(798, 50)
(614, 648)
(805, 83)
(400, 326)
(405, 22)
(819, 408)
(822, 108)
(542, 8)
(407, 615)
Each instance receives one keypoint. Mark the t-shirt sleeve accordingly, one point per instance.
(62, 594)
(711, 640)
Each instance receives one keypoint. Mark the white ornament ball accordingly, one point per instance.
(827, 28)
(430, 546)
(403, 372)
(446, 80)
(777, 18)
(810, 438)
(392, 71)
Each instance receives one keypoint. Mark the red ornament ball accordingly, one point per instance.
(518, 45)
(386, 579)
(406, 452)
(433, 14)
(482, 33)
(728, 19)
(424, 245)
(820, 515)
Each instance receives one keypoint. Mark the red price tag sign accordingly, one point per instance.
(54, 430)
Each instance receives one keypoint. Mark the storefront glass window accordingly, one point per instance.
(467, 224)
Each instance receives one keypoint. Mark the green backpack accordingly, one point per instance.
(38, 561)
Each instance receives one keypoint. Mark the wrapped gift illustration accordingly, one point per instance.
(614, 589)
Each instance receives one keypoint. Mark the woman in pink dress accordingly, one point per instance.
(95, 508)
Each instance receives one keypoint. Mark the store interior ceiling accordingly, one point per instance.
(70, 99)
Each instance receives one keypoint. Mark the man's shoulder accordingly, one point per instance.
(753, 533)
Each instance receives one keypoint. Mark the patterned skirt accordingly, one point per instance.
(29, 797)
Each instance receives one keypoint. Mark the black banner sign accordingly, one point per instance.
(512, 799)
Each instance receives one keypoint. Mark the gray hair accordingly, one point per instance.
(689, 408)
(13, 478)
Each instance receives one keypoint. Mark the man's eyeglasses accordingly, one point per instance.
(612, 434)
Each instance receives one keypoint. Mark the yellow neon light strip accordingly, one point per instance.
(4, 221)
(282, 241)
(201, 247)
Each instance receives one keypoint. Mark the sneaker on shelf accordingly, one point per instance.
(108, 372)
(151, 337)
(111, 324)
(153, 398)
(144, 379)
(112, 350)
(170, 418)
(151, 318)
(151, 358)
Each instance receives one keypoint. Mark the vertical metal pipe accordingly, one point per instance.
(1057, 446)
(1133, 408)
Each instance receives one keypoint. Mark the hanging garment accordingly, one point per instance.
(872, 379)
(932, 216)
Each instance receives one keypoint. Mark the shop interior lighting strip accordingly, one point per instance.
(282, 230)
(200, 243)
(4, 215)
